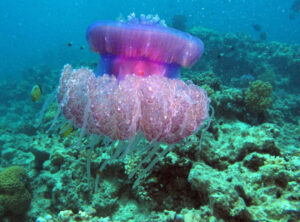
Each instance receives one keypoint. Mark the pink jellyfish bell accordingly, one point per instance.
(136, 86)
(142, 47)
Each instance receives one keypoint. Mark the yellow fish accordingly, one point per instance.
(36, 93)
(66, 130)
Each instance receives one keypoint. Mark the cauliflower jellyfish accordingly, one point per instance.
(136, 92)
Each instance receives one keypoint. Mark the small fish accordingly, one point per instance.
(296, 6)
(257, 27)
(82, 47)
(153, 180)
(292, 16)
(220, 55)
(66, 130)
(179, 22)
(70, 44)
(36, 93)
(263, 36)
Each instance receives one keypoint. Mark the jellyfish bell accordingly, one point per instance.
(142, 47)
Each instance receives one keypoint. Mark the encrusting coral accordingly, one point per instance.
(258, 96)
(14, 196)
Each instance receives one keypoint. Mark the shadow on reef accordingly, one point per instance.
(169, 189)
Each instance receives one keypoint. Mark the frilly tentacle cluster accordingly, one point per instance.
(144, 20)
(163, 109)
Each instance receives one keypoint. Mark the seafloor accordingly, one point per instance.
(247, 170)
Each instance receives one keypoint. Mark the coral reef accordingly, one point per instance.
(258, 96)
(14, 194)
(246, 170)
(232, 55)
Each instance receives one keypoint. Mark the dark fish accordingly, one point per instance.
(82, 47)
(296, 6)
(257, 27)
(70, 44)
(263, 36)
(220, 55)
(292, 16)
(178, 22)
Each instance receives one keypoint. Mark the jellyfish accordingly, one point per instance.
(142, 47)
(136, 88)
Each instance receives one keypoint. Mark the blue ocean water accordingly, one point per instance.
(37, 32)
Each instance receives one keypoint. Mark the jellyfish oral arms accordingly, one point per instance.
(164, 110)
(142, 47)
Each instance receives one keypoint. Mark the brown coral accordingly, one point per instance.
(258, 96)
(14, 196)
